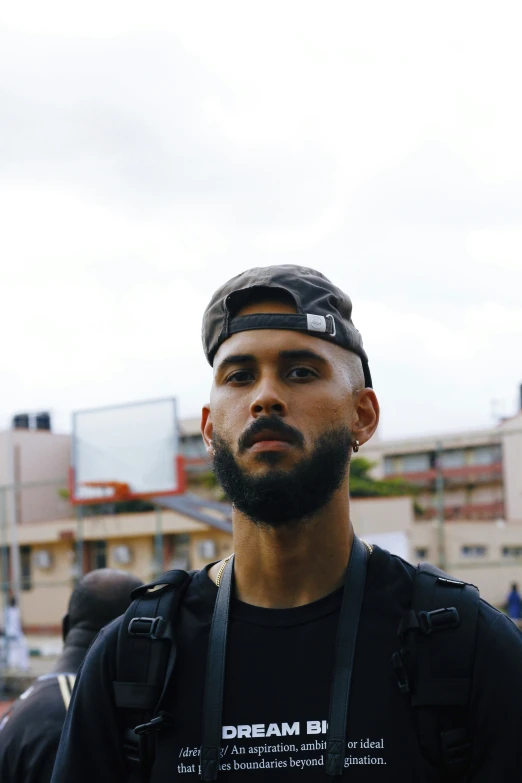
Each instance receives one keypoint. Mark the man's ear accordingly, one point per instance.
(66, 625)
(207, 430)
(366, 415)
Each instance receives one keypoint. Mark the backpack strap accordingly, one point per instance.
(215, 678)
(435, 665)
(351, 605)
(146, 654)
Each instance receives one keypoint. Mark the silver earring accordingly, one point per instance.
(355, 446)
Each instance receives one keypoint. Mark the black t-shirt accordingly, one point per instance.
(30, 731)
(278, 679)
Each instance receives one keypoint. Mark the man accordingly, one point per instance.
(514, 604)
(30, 732)
(15, 641)
(298, 683)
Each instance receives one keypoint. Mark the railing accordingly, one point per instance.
(197, 464)
(467, 474)
(467, 512)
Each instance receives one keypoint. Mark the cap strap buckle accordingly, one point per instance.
(320, 323)
(330, 328)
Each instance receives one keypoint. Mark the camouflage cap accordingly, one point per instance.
(322, 309)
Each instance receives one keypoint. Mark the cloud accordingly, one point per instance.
(497, 248)
(148, 154)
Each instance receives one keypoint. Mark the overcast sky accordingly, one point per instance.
(150, 151)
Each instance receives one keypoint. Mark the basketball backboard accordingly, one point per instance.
(127, 451)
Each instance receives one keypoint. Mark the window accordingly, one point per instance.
(25, 567)
(193, 447)
(473, 550)
(96, 554)
(413, 463)
(4, 567)
(485, 455)
(391, 466)
(207, 549)
(407, 463)
(512, 551)
(454, 458)
(179, 545)
(421, 553)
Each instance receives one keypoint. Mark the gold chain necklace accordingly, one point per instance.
(222, 568)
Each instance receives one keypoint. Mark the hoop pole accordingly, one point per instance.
(158, 543)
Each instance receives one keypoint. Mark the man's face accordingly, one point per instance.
(282, 404)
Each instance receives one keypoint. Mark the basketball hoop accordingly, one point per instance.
(126, 452)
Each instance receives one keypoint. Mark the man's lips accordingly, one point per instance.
(270, 445)
(269, 440)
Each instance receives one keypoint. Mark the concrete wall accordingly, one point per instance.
(512, 466)
(108, 527)
(38, 456)
(493, 572)
(5, 441)
(44, 605)
(223, 545)
(142, 556)
(381, 515)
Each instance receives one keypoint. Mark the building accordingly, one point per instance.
(468, 501)
(145, 544)
(466, 514)
(192, 446)
(56, 544)
(479, 472)
(33, 468)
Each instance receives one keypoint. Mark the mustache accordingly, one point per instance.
(273, 423)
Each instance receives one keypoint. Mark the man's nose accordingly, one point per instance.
(268, 400)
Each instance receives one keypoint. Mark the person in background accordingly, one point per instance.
(514, 604)
(31, 729)
(16, 643)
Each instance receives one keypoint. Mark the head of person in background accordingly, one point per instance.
(30, 732)
(98, 598)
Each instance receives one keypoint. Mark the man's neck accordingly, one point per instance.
(75, 647)
(293, 565)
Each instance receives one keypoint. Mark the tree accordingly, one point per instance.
(363, 485)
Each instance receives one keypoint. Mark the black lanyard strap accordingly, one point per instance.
(215, 678)
(345, 653)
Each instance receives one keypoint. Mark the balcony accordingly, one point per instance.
(453, 477)
(477, 512)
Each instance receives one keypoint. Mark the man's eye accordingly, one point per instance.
(240, 376)
(302, 373)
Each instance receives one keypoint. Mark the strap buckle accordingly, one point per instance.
(400, 671)
(438, 620)
(153, 725)
(330, 325)
(456, 747)
(145, 627)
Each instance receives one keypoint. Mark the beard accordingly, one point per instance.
(285, 497)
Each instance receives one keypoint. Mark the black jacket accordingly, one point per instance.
(31, 729)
